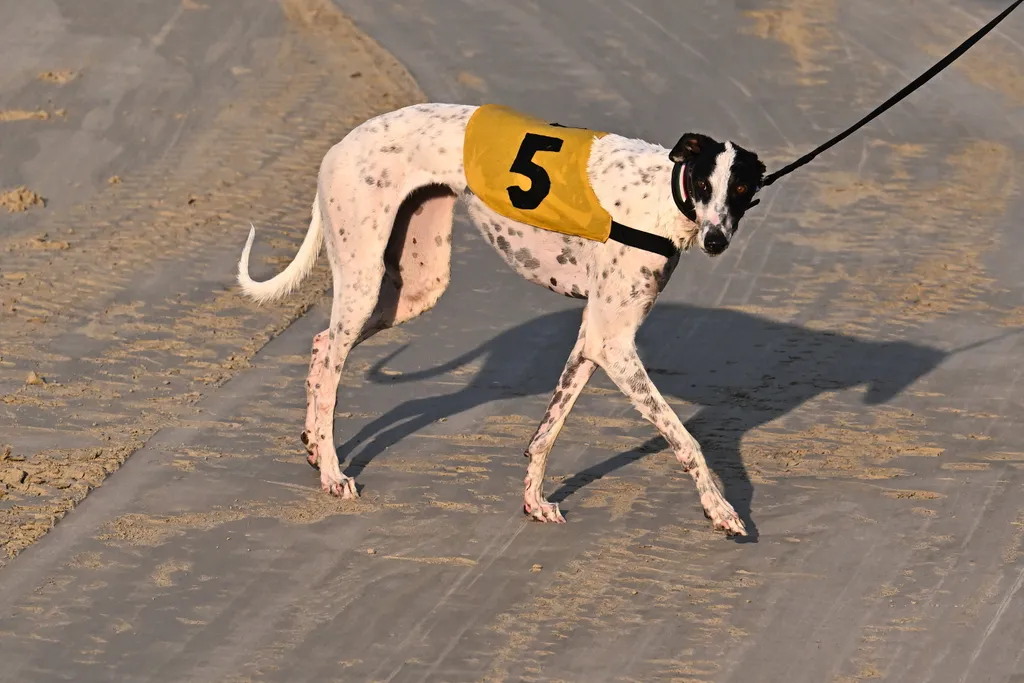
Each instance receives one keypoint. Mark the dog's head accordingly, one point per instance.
(720, 178)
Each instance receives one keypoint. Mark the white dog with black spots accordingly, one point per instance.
(383, 207)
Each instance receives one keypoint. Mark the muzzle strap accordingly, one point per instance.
(681, 191)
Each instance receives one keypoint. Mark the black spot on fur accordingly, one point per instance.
(526, 258)
(437, 240)
(570, 370)
(554, 282)
(369, 180)
(504, 246)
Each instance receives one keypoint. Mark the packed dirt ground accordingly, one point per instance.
(88, 370)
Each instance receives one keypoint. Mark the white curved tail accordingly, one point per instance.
(287, 280)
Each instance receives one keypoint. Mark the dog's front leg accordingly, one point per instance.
(578, 370)
(620, 360)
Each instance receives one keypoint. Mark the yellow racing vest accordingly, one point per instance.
(534, 172)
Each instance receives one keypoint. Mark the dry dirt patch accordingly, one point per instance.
(256, 157)
(20, 199)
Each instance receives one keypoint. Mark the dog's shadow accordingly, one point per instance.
(743, 371)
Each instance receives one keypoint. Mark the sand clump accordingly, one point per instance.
(20, 199)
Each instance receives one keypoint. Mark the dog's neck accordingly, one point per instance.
(632, 179)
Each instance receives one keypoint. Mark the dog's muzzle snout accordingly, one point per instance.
(715, 241)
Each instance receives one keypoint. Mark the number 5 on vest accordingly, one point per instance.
(524, 165)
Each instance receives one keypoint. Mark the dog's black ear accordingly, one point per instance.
(689, 146)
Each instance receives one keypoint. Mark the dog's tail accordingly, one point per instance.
(287, 280)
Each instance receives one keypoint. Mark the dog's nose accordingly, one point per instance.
(715, 242)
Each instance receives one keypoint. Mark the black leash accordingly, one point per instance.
(917, 83)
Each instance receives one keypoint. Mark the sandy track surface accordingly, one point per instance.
(117, 310)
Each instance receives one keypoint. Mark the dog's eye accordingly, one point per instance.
(702, 185)
(741, 189)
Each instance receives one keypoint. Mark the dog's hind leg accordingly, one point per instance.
(356, 284)
(356, 230)
(316, 368)
(416, 272)
(418, 256)
(577, 372)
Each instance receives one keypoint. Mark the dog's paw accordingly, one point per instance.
(722, 515)
(543, 511)
(535, 507)
(344, 489)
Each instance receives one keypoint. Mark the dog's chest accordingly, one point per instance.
(533, 172)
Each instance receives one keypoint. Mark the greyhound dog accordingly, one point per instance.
(586, 214)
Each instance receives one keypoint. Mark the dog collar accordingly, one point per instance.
(682, 185)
